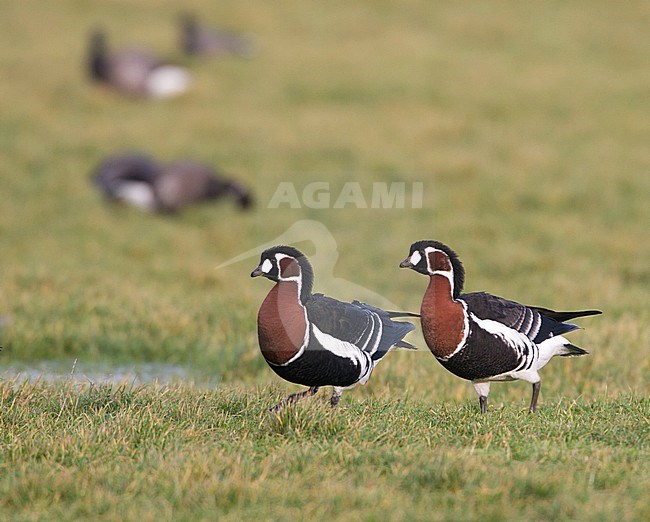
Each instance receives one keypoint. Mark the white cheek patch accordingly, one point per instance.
(416, 257)
(267, 266)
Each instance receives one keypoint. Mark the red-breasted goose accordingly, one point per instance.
(314, 340)
(481, 337)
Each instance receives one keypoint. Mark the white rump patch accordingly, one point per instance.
(518, 342)
(416, 257)
(137, 193)
(267, 266)
(167, 81)
(549, 348)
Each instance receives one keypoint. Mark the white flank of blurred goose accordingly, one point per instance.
(135, 72)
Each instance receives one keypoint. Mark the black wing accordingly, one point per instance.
(365, 326)
(393, 331)
(344, 321)
(537, 324)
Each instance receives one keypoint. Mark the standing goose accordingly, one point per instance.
(481, 337)
(135, 72)
(200, 40)
(314, 340)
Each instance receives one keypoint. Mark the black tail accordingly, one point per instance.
(571, 350)
(401, 343)
(392, 336)
(241, 194)
(564, 316)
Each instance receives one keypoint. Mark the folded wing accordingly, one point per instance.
(368, 328)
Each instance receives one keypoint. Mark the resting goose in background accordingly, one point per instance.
(314, 340)
(135, 72)
(196, 39)
(481, 337)
(140, 181)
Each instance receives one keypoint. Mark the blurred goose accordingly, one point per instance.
(201, 40)
(135, 71)
(140, 181)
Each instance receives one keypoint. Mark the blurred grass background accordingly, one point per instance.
(528, 123)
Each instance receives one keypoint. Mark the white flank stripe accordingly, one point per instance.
(513, 338)
(368, 332)
(345, 350)
(379, 333)
(536, 325)
(336, 346)
(538, 354)
(373, 319)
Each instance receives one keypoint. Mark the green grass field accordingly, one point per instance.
(528, 125)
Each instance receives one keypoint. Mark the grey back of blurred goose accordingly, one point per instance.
(135, 71)
(201, 40)
(185, 182)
